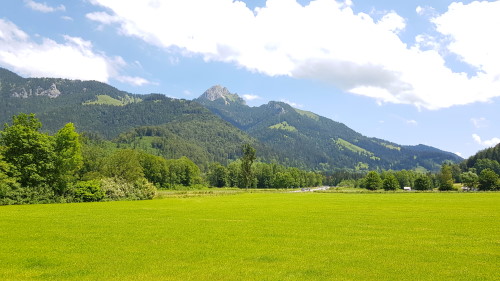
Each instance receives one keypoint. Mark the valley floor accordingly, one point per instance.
(257, 236)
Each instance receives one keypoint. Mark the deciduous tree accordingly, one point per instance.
(246, 165)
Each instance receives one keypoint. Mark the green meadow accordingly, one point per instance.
(257, 236)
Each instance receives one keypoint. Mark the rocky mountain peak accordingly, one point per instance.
(216, 92)
(219, 92)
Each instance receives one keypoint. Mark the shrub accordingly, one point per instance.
(118, 189)
(88, 191)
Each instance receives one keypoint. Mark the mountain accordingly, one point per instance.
(210, 128)
(154, 122)
(309, 140)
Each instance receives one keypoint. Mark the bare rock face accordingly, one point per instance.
(51, 92)
(216, 92)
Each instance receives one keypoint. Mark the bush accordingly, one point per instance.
(118, 189)
(88, 191)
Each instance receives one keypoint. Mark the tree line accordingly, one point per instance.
(36, 167)
(483, 176)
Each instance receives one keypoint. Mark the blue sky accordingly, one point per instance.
(410, 71)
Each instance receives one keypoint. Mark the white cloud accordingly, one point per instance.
(425, 11)
(43, 7)
(479, 122)
(419, 10)
(472, 31)
(73, 59)
(250, 97)
(491, 142)
(67, 18)
(132, 80)
(293, 104)
(327, 41)
(102, 17)
(412, 122)
(459, 154)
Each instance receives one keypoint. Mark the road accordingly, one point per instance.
(312, 189)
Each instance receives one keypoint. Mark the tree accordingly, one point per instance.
(372, 181)
(445, 178)
(482, 164)
(125, 165)
(283, 180)
(390, 182)
(190, 173)
(488, 180)
(422, 182)
(470, 179)
(246, 165)
(29, 151)
(217, 175)
(155, 169)
(69, 157)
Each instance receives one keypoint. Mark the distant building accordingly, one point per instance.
(407, 188)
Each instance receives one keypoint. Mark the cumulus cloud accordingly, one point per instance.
(75, 58)
(326, 40)
(43, 7)
(491, 142)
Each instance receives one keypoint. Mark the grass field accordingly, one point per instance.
(257, 236)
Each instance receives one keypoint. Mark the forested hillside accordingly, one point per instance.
(174, 127)
(318, 142)
(492, 154)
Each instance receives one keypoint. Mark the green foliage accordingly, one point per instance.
(390, 182)
(124, 164)
(247, 160)
(422, 182)
(29, 151)
(38, 168)
(119, 189)
(470, 179)
(372, 181)
(69, 159)
(88, 191)
(492, 154)
(445, 178)
(217, 175)
(489, 180)
(483, 164)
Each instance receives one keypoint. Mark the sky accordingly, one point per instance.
(411, 72)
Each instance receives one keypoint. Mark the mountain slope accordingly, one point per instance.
(317, 142)
(210, 128)
(186, 128)
(492, 153)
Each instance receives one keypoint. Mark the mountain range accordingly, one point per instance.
(210, 128)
